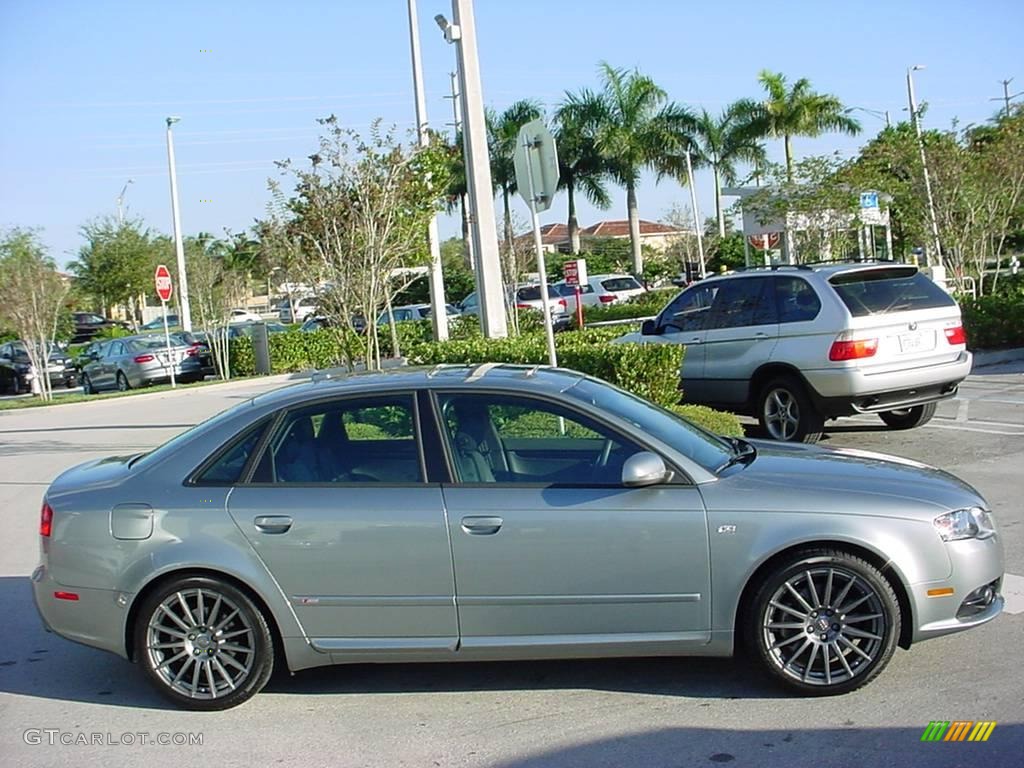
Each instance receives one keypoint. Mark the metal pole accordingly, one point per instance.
(167, 345)
(457, 117)
(916, 118)
(179, 245)
(493, 319)
(120, 203)
(438, 310)
(696, 214)
(538, 243)
(888, 120)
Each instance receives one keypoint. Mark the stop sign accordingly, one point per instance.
(163, 283)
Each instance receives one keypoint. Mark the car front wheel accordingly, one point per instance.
(122, 382)
(787, 413)
(908, 418)
(203, 643)
(824, 622)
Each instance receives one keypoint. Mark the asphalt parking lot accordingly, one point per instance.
(664, 712)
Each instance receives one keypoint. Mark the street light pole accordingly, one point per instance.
(120, 203)
(696, 213)
(179, 245)
(916, 118)
(462, 32)
(438, 309)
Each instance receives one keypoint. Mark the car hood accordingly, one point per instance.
(807, 478)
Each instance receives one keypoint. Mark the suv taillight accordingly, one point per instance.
(852, 349)
(607, 298)
(46, 520)
(956, 335)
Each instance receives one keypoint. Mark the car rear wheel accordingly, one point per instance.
(122, 382)
(787, 413)
(908, 418)
(824, 622)
(203, 643)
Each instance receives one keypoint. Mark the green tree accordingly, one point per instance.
(722, 141)
(795, 111)
(502, 132)
(580, 165)
(638, 128)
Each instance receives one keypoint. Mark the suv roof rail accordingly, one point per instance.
(865, 262)
(770, 267)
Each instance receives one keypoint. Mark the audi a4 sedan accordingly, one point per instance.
(501, 512)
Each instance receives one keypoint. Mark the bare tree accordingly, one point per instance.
(31, 298)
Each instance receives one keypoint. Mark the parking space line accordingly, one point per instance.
(1013, 593)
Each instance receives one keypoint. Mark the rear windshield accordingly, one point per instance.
(532, 293)
(621, 284)
(880, 291)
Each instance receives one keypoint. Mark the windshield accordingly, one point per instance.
(896, 289)
(706, 449)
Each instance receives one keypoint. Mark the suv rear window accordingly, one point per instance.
(881, 291)
(532, 293)
(621, 284)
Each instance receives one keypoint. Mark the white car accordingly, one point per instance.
(244, 316)
(414, 312)
(609, 289)
(304, 307)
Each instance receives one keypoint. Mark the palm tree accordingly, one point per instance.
(502, 132)
(796, 111)
(580, 164)
(638, 128)
(720, 142)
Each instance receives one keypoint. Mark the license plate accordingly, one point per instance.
(917, 342)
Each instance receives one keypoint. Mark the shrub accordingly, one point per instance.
(994, 322)
(294, 350)
(719, 422)
(645, 305)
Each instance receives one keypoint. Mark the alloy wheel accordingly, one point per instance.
(200, 644)
(781, 414)
(824, 626)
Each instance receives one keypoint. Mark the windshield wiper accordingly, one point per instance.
(743, 453)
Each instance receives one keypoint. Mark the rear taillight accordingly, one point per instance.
(144, 358)
(607, 298)
(46, 520)
(192, 352)
(852, 349)
(73, 596)
(562, 303)
(956, 335)
(523, 306)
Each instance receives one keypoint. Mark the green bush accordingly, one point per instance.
(294, 350)
(994, 322)
(645, 305)
(719, 422)
(649, 370)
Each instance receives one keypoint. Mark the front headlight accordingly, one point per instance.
(972, 523)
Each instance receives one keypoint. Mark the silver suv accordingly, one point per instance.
(796, 345)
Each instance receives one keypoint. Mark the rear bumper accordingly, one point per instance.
(844, 391)
(96, 618)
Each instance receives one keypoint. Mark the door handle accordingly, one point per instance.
(481, 526)
(694, 340)
(760, 335)
(272, 523)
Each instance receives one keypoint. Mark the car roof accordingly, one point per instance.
(338, 382)
(824, 269)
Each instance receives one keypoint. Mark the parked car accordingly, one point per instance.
(410, 312)
(17, 372)
(799, 345)
(588, 296)
(88, 324)
(612, 288)
(244, 316)
(304, 307)
(501, 512)
(157, 324)
(137, 361)
(525, 297)
(316, 322)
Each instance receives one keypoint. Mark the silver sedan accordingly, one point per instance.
(501, 512)
(136, 361)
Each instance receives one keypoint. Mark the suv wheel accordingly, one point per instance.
(908, 418)
(787, 413)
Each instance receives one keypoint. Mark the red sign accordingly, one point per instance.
(164, 286)
(759, 241)
(575, 272)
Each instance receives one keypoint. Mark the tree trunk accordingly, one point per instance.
(718, 204)
(634, 229)
(573, 223)
(789, 158)
(505, 195)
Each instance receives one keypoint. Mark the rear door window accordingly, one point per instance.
(894, 289)
(743, 302)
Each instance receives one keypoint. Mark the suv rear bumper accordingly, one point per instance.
(845, 391)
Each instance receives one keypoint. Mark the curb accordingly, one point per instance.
(984, 357)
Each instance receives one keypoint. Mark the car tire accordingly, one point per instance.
(848, 629)
(191, 647)
(17, 388)
(786, 413)
(122, 382)
(908, 418)
(87, 387)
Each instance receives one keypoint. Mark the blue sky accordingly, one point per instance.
(85, 86)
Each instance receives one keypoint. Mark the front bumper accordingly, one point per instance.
(97, 618)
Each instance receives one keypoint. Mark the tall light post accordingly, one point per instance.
(916, 118)
(438, 310)
(697, 225)
(179, 245)
(462, 32)
(120, 202)
(881, 115)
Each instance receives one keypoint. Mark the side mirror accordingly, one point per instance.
(650, 328)
(643, 469)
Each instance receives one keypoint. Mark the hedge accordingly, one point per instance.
(994, 322)
(719, 422)
(645, 305)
